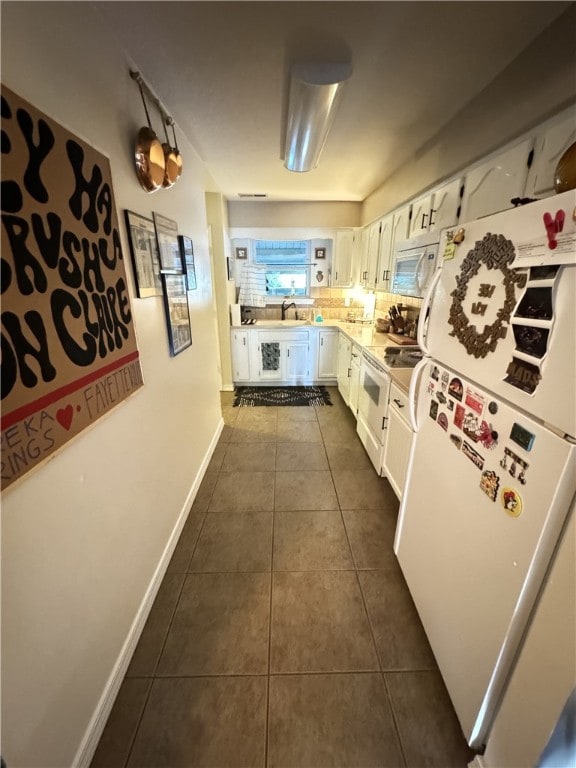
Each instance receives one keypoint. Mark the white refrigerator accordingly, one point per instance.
(492, 470)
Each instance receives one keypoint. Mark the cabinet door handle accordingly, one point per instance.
(424, 217)
(322, 341)
(384, 420)
(398, 403)
(287, 353)
(349, 372)
(244, 341)
(336, 275)
(432, 210)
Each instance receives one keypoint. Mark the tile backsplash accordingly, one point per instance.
(339, 303)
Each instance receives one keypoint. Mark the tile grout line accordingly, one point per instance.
(394, 718)
(267, 719)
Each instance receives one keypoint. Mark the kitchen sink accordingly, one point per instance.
(281, 323)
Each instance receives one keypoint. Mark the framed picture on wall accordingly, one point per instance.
(241, 253)
(144, 254)
(187, 256)
(168, 245)
(177, 312)
(319, 253)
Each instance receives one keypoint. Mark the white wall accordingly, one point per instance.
(83, 534)
(333, 215)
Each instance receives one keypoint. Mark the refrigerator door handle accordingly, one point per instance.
(424, 310)
(414, 384)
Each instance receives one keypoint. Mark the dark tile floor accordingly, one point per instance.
(283, 633)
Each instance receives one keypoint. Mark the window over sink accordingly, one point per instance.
(287, 266)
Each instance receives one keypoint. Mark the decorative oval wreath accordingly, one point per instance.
(495, 252)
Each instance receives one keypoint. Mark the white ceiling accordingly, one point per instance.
(221, 69)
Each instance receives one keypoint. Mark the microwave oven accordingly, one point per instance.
(413, 265)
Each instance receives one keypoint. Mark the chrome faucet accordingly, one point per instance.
(285, 307)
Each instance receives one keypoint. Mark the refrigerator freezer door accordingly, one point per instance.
(487, 493)
(502, 312)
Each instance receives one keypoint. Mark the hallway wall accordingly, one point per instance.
(83, 535)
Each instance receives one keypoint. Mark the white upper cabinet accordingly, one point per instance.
(551, 143)
(421, 211)
(342, 259)
(436, 210)
(445, 205)
(491, 185)
(400, 226)
(384, 254)
(370, 255)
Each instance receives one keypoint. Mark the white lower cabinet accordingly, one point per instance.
(343, 370)
(398, 440)
(240, 355)
(297, 362)
(327, 354)
(355, 358)
(282, 356)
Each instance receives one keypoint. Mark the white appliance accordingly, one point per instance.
(373, 395)
(413, 264)
(492, 471)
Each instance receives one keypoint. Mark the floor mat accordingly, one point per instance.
(261, 396)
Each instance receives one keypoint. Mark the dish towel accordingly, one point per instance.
(253, 286)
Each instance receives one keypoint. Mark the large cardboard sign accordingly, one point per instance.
(69, 350)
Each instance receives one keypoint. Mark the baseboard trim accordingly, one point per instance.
(98, 720)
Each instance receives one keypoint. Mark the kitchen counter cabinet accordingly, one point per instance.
(354, 385)
(281, 356)
(398, 441)
(344, 360)
(327, 354)
(240, 355)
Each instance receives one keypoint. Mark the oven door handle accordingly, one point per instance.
(414, 383)
(426, 301)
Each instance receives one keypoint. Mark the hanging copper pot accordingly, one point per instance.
(149, 155)
(170, 157)
(178, 155)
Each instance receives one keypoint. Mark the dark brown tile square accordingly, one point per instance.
(234, 542)
(319, 624)
(310, 541)
(300, 456)
(429, 729)
(363, 489)
(220, 626)
(243, 492)
(400, 638)
(250, 458)
(331, 720)
(255, 425)
(147, 653)
(296, 413)
(371, 534)
(114, 745)
(304, 490)
(347, 455)
(298, 431)
(206, 722)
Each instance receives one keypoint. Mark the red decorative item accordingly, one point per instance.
(553, 227)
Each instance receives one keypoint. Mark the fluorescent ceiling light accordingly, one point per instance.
(315, 92)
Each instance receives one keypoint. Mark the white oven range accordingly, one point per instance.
(374, 393)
